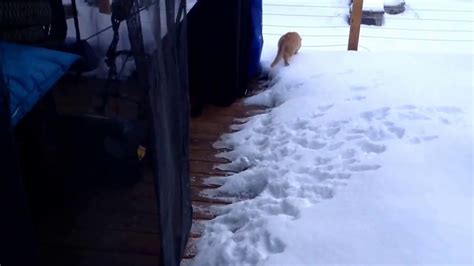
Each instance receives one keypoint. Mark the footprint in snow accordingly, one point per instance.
(356, 98)
(407, 107)
(273, 244)
(300, 124)
(397, 131)
(363, 167)
(353, 137)
(322, 160)
(348, 153)
(316, 145)
(314, 116)
(449, 110)
(413, 115)
(420, 139)
(370, 147)
(335, 146)
(444, 120)
(358, 88)
(429, 138)
(332, 131)
(324, 108)
(378, 114)
(376, 134)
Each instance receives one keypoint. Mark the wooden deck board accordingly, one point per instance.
(61, 256)
(106, 240)
(114, 225)
(206, 156)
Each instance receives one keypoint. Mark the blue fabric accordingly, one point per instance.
(29, 73)
(256, 38)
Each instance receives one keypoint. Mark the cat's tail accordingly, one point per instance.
(278, 57)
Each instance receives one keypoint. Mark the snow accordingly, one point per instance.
(362, 158)
(393, 2)
(393, 216)
(373, 5)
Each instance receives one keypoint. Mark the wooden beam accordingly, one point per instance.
(355, 20)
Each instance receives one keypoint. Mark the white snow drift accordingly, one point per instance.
(362, 158)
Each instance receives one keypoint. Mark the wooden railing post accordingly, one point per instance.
(355, 19)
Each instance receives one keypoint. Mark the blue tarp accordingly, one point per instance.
(256, 38)
(29, 73)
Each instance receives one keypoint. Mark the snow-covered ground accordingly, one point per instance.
(363, 157)
(427, 26)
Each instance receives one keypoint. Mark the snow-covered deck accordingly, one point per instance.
(204, 131)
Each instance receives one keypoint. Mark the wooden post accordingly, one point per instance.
(356, 18)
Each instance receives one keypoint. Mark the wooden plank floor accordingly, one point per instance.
(116, 224)
(106, 225)
(119, 226)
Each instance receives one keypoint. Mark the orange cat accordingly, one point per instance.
(288, 45)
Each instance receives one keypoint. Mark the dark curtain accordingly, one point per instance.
(218, 49)
(169, 102)
(17, 236)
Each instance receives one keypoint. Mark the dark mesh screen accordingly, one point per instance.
(141, 40)
(169, 103)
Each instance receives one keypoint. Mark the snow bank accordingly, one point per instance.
(362, 158)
